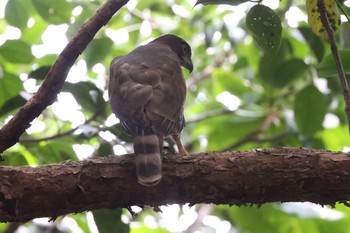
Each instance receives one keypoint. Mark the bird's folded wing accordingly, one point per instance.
(144, 95)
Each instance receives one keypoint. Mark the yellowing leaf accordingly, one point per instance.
(313, 14)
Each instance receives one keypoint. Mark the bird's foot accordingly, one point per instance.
(180, 147)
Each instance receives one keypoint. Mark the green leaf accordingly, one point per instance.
(10, 86)
(108, 221)
(278, 72)
(288, 71)
(265, 27)
(56, 151)
(216, 2)
(228, 81)
(313, 41)
(327, 67)
(12, 104)
(332, 140)
(266, 218)
(310, 107)
(14, 159)
(97, 50)
(16, 51)
(225, 130)
(118, 131)
(16, 13)
(40, 73)
(55, 12)
(86, 94)
(105, 149)
(33, 35)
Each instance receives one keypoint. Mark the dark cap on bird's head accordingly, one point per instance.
(180, 47)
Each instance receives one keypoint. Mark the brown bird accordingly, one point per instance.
(147, 92)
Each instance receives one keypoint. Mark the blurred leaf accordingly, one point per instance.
(82, 222)
(344, 35)
(40, 73)
(33, 35)
(280, 70)
(16, 13)
(97, 50)
(327, 67)
(262, 217)
(216, 2)
(10, 86)
(86, 94)
(314, 42)
(145, 229)
(4, 227)
(12, 104)
(55, 12)
(20, 157)
(14, 159)
(105, 149)
(56, 151)
(228, 81)
(47, 60)
(225, 130)
(16, 51)
(287, 72)
(109, 221)
(310, 107)
(271, 218)
(119, 132)
(265, 27)
(332, 140)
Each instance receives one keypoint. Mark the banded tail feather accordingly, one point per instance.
(148, 159)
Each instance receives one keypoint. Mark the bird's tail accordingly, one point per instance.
(148, 159)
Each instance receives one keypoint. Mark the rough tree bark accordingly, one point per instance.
(244, 177)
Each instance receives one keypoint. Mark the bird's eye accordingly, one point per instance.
(184, 49)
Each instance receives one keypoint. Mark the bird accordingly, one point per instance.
(147, 93)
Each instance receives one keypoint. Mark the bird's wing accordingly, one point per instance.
(148, 92)
(129, 92)
(165, 108)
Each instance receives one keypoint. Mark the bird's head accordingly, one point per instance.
(180, 47)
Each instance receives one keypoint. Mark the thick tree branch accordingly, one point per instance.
(47, 93)
(254, 177)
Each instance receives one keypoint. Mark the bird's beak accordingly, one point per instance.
(187, 63)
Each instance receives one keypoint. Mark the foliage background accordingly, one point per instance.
(238, 98)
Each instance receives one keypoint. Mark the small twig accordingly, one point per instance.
(214, 113)
(273, 138)
(195, 78)
(337, 59)
(58, 135)
(254, 134)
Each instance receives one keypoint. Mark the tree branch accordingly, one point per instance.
(254, 177)
(47, 93)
